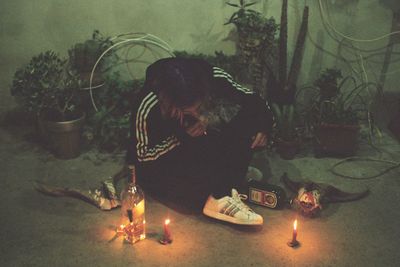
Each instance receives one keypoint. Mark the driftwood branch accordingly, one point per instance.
(55, 191)
(103, 198)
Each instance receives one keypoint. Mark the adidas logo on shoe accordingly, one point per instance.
(232, 209)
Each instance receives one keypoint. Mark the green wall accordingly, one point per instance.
(30, 27)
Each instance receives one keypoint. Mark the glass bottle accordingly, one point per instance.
(132, 211)
(268, 195)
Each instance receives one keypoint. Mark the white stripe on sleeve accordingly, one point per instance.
(144, 152)
(220, 73)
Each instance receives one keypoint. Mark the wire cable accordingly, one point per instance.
(352, 159)
(141, 40)
(351, 38)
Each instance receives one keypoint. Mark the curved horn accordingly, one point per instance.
(64, 192)
(292, 185)
(332, 194)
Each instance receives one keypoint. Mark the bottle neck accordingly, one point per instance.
(133, 175)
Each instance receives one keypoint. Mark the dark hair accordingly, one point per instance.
(181, 80)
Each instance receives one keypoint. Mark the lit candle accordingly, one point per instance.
(294, 242)
(167, 237)
(294, 231)
(167, 232)
(120, 229)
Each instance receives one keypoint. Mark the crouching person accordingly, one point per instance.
(193, 131)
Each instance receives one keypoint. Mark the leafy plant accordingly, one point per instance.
(256, 44)
(333, 104)
(327, 83)
(251, 21)
(83, 56)
(111, 124)
(254, 28)
(337, 112)
(285, 121)
(47, 85)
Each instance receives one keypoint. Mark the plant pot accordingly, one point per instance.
(336, 139)
(65, 137)
(287, 149)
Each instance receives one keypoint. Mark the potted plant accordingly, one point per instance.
(47, 87)
(286, 139)
(255, 43)
(327, 84)
(255, 31)
(334, 115)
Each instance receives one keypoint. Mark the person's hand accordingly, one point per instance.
(199, 128)
(259, 140)
(177, 114)
(169, 111)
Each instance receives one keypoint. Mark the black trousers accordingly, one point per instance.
(210, 164)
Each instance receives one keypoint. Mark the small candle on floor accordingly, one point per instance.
(294, 231)
(120, 229)
(167, 237)
(294, 242)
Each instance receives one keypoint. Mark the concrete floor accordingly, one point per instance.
(37, 230)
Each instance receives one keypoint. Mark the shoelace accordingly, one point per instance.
(238, 201)
(243, 196)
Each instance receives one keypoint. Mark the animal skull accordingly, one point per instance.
(308, 201)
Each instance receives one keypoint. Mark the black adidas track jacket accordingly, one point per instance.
(151, 135)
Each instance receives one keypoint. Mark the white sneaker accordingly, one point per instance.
(232, 209)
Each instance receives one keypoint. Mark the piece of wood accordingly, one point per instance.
(65, 192)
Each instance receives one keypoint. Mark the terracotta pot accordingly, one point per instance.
(336, 139)
(287, 149)
(65, 137)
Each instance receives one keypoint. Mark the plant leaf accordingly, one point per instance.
(250, 4)
(276, 109)
(230, 4)
(231, 19)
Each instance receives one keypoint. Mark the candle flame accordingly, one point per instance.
(121, 228)
(167, 221)
(295, 225)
